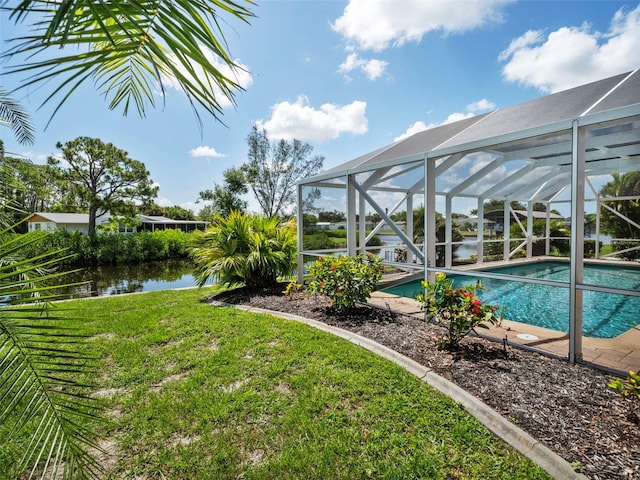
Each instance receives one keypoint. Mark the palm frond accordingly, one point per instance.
(243, 248)
(128, 48)
(44, 407)
(15, 117)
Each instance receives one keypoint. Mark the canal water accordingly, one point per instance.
(130, 278)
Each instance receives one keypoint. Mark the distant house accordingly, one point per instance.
(71, 222)
(152, 223)
(497, 217)
(79, 222)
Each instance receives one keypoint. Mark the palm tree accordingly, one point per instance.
(128, 48)
(622, 185)
(240, 248)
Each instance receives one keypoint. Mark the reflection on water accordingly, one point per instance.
(136, 277)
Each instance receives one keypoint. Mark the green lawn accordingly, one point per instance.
(194, 391)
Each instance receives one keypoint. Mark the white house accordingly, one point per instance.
(71, 222)
(79, 222)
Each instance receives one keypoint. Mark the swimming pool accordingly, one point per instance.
(604, 315)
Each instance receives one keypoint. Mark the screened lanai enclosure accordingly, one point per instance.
(539, 201)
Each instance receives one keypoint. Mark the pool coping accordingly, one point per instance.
(514, 436)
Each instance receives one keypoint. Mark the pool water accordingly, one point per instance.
(604, 315)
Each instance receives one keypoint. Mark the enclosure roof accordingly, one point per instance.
(619, 91)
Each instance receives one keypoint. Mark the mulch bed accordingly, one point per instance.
(567, 407)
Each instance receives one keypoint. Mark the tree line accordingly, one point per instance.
(94, 177)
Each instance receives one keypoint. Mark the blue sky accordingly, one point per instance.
(351, 76)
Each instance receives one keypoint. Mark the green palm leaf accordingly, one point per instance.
(128, 48)
(246, 249)
(44, 408)
(15, 117)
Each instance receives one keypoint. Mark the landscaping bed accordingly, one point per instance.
(567, 407)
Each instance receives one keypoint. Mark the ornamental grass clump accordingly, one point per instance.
(345, 280)
(458, 309)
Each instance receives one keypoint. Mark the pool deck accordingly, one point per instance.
(620, 354)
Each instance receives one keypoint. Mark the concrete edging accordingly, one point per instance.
(517, 438)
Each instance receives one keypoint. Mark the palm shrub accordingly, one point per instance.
(241, 248)
(345, 280)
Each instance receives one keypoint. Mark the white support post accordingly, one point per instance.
(448, 236)
(529, 229)
(480, 230)
(547, 231)
(300, 226)
(577, 244)
(429, 217)
(410, 256)
(362, 225)
(506, 229)
(351, 216)
(597, 226)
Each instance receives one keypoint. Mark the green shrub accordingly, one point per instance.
(248, 249)
(458, 309)
(113, 248)
(624, 245)
(152, 245)
(589, 248)
(177, 242)
(345, 280)
(630, 389)
(317, 241)
(291, 288)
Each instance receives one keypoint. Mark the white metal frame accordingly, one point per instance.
(566, 155)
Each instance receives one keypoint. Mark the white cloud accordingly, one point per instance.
(472, 109)
(36, 157)
(572, 56)
(163, 201)
(377, 24)
(483, 105)
(205, 151)
(454, 117)
(416, 127)
(240, 75)
(472, 164)
(301, 121)
(193, 206)
(529, 38)
(481, 161)
(372, 69)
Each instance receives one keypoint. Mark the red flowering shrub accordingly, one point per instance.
(345, 280)
(458, 309)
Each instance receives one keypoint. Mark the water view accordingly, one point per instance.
(130, 278)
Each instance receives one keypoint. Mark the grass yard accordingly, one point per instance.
(193, 391)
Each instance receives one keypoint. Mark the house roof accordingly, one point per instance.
(83, 218)
(61, 217)
(165, 220)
